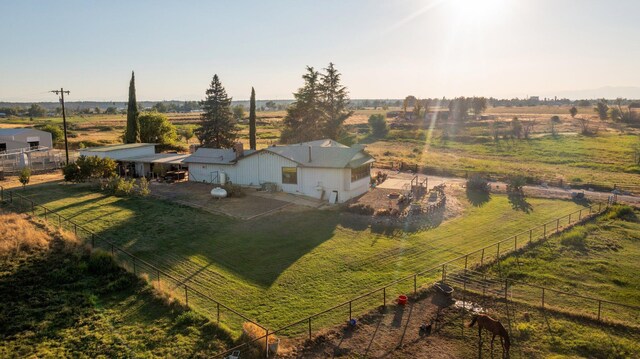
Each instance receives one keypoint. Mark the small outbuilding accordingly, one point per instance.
(17, 139)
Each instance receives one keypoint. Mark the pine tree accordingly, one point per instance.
(218, 129)
(304, 118)
(252, 120)
(335, 100)
(132, 132)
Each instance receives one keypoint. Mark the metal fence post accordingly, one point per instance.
(545, 230)
(569, 218)
(506, 289)
(515, 243)
(384, 297)
(309, 328)
(75, 229)
(599, 206)
(580, 215)
(466, 259)
(266, 343)
(415, 284)
(599, 308)
(186, 295)
(498, 251)
(542, 297)
(530, 234)
(482, 258)
(217, 312)
(557, 225)
(349, 310)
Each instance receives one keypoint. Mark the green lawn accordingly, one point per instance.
(598, 259)
(57, 301)
(288, 265)
(604, 160)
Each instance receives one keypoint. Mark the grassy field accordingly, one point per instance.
(57, 301)
(282, 267)
(602, 161)
(598, 259)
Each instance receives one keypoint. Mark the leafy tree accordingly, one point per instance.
(160, 107)
(89, 167)
(516, 128)
(187, 133)
(57, 136)
(602, 109)
(479, 105)
(584, 103)
(25, 176)
(378, 125)
(573, 111)
(36, 110)
(132, 131)
(252, 120)
(271, 105)
(97, 110)
(335, 100)
(303, 121)
(459, 109)
(238, 113)
(417, 109)
(218, 130)
(156, 128)
(111, 110)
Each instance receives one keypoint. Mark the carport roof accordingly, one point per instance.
(168, 158)
(123, 146)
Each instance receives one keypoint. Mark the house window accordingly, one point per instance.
(290, 175)
(3, 147)
(359, 172)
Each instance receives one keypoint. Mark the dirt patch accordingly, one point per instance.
(36, 179)
(198, 195)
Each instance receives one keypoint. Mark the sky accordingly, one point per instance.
(383, 48)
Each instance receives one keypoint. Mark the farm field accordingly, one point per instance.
(282, 267)
(57, 301)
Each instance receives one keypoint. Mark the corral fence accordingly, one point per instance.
(543, 297)
(40, 159)
(170, 284)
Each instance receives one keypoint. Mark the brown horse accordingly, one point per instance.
(495, 327)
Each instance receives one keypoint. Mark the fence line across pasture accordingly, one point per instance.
(406, 284)
(128, 260)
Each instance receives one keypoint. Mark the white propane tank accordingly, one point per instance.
(219, 192)
(223, 178)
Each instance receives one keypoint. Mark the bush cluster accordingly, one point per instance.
(478, 183)
(360, 208)
(122, 187)
(85, 168)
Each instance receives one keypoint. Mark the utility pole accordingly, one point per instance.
(61, 92)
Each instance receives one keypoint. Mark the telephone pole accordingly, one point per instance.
(61, 92)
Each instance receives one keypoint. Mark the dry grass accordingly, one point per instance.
(254, 332)
(18, 233)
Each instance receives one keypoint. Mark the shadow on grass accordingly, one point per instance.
(519, 202)
(477, 198)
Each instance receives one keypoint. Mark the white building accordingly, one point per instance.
(136, 159)
(322, 169)
(16, 139)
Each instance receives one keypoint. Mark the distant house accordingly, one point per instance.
(20, 139)
(136, 159)
(323, 169)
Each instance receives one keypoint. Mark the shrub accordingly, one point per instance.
(85, 168)
(190, 317)
(25, 176)
(378, 125)
(101, 262)
(622, 212)
(525, 330)
(478, 183)
(143, 187)
(360, 208)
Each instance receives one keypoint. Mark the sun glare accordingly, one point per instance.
(479, 10)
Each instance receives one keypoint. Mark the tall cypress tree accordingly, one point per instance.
(218, 129)
(132, 132)
(252, 120)
(304, 119)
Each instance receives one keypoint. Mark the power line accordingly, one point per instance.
(61, 92)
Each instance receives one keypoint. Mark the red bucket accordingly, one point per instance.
(402, 300)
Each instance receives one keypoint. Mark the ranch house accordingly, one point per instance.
(324, 169)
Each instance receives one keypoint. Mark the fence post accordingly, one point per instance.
(599, 308)
(158, 276)
(466, 259)
(530, 235)
(266, 343)
(580, 215)
(415, 284)
(309, 328)
(482, 258)
(498, 252)
(349, 310)
(545, 230)
(217, 312)
(75, 229)
(569, 218)
(543, 297)
(384, 297)
(186, 295)
(599, 206)
(506, 290)
(59, 221)
(515, 243)
(557, 225)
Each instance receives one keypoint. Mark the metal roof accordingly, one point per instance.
(224, 156)
(323, 157)
(17, 131)
(122, 146)
(168, 158)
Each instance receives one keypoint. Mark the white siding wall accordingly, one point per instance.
(201, 172)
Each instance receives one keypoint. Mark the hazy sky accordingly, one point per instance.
(384, 48)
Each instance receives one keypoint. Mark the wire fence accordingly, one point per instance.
(460, 271)
(175, 287)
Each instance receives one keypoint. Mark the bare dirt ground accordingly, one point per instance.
(198, 195)
(36, 179)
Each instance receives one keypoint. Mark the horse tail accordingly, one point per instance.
(473, 321)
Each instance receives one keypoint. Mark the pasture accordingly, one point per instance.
(282, 267)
